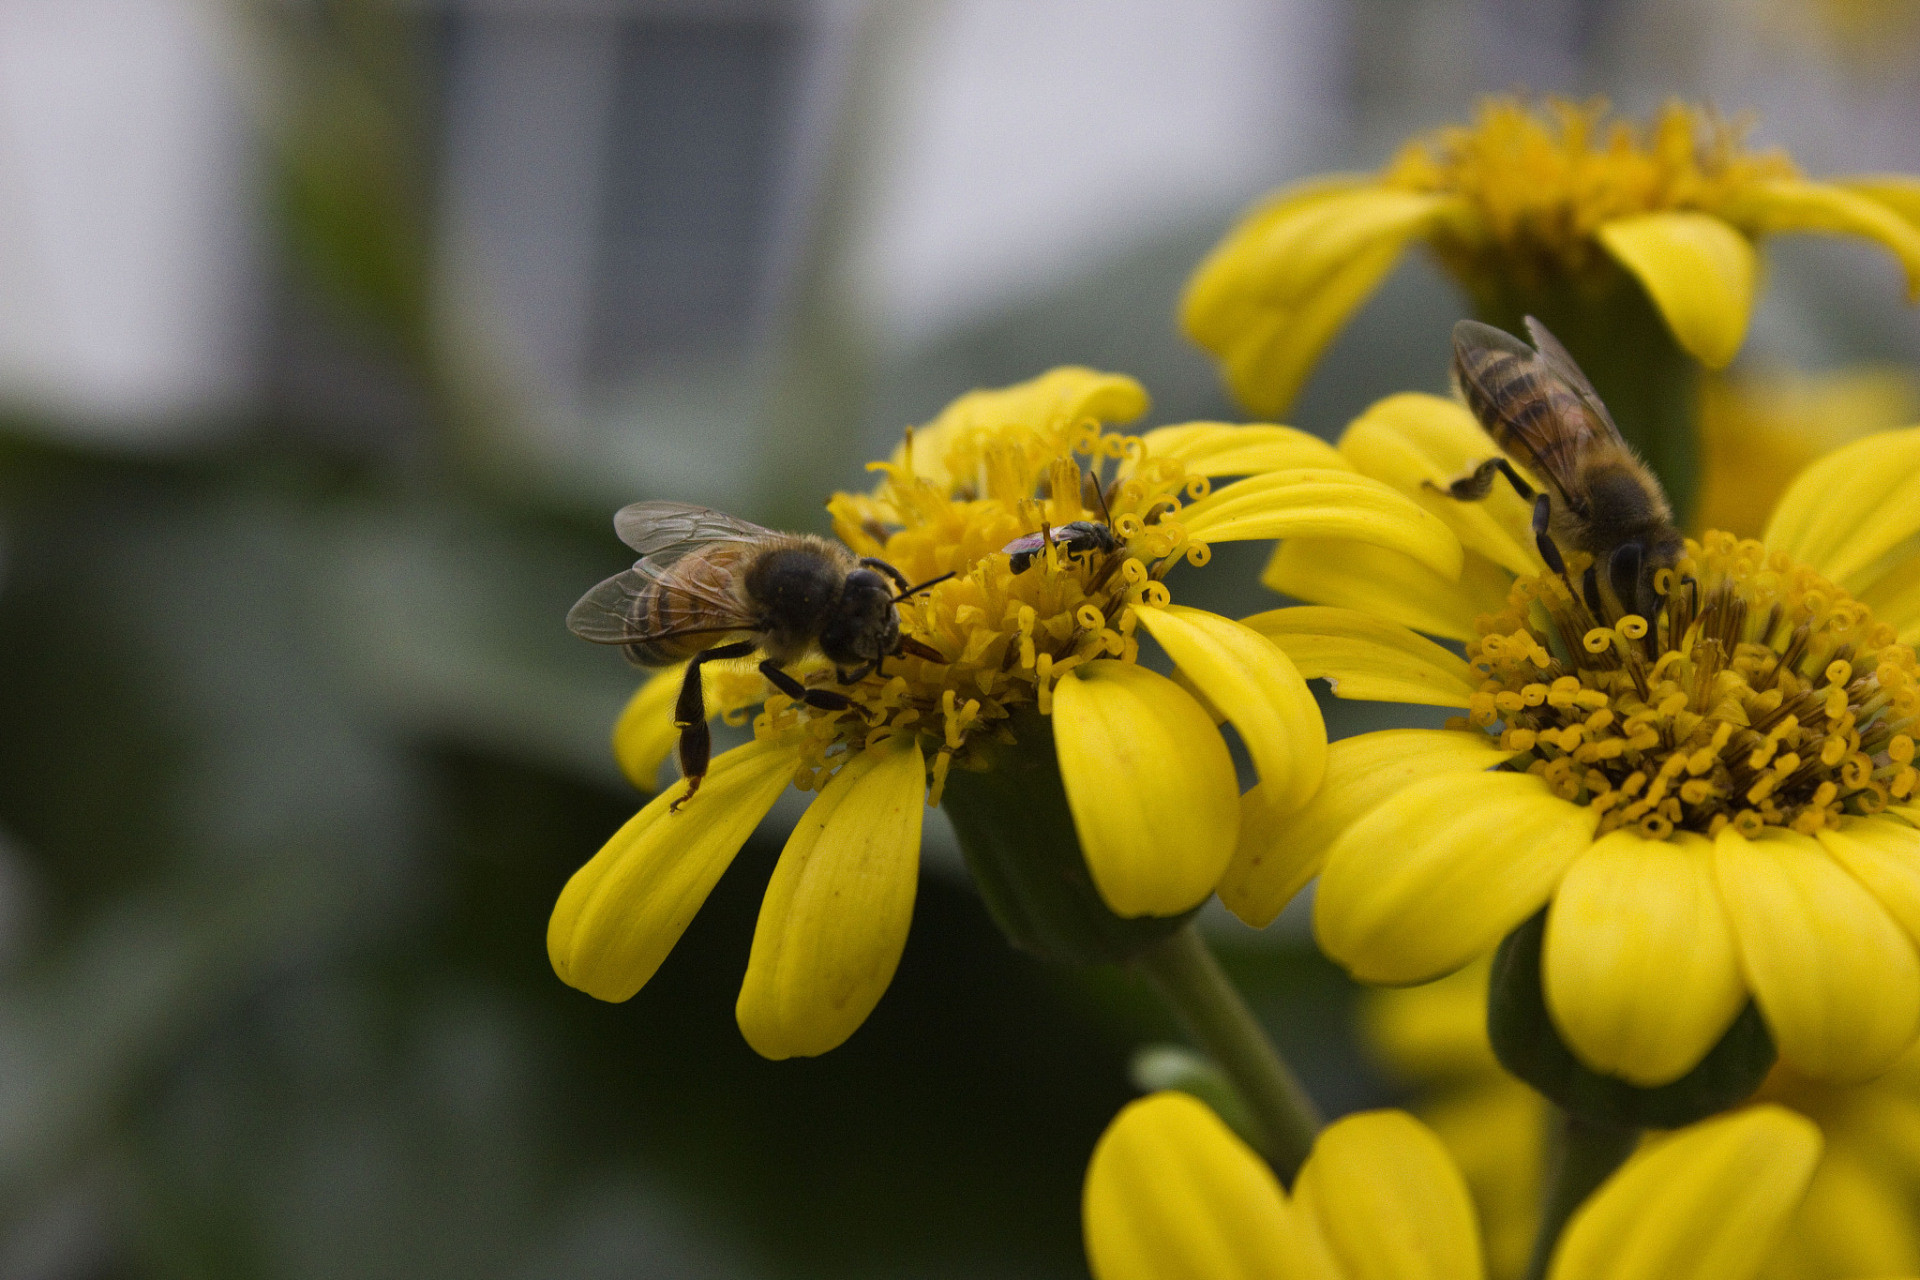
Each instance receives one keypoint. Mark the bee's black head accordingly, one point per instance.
(864, 627)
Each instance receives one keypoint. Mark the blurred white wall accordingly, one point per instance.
(1025, 140)
(126, 248)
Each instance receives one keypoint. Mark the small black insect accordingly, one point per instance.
(1077, 538)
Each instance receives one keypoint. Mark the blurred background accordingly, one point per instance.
(331, 334)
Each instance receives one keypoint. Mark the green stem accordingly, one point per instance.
(1584, 1155)
(1283, 1117)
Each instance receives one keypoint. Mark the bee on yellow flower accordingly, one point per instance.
(1015, 671)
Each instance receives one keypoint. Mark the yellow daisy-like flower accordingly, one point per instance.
(1861, 1214)
(1717, 802)
(1172, 1194)
(1523, 201)
(1048, 652)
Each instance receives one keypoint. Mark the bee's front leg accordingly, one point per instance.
(824, 699)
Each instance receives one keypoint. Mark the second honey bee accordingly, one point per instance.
(1600, 498)
(708, 586)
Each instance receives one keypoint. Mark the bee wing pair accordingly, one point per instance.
(664, 533)
(1538, 397)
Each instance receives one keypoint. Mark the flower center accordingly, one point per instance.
(1763, 695)
(1542, 181)
(1003, 637)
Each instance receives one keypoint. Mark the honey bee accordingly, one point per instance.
(1602, 499)
(708, 586)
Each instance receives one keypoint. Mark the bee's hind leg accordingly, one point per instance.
(690, 716)
(1542, 518)
(824, 699)
(1477, 485)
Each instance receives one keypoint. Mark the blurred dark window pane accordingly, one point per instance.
(689, 182)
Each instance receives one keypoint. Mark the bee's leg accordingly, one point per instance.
(1623, 571)
(690, 716)
(824, 699)
(1590, 588)
(920, 649)
(1474, 487)
(873, 562)
(1542, 518)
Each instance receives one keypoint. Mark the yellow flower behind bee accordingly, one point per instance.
(1522, 200)
(1861, 1213)
(1172, 1194)
(1713, 805)
(1052, 651)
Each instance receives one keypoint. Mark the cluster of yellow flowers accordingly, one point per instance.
(1706, 811)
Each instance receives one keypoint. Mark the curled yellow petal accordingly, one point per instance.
(1389, 1201)
(1171, 1191)
(1440, 872)
(1256, 687)
(1056, 401)
(1276, 856)
(1361, 656)
(1314, 503)
(1353, 575)
(1227, 449)
(1272, 294)
(1698, 270)
(835, 915)
(1825, 208)
(1846, 511)
(1419, 444)
(1152, 788)
(1642, 977)
(1708, 1200)
(1837, 980)
(621, 913)
(645, 733)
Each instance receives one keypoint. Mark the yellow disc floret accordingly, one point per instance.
(1003, 638)
(1762, 696)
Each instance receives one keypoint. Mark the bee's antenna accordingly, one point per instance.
(930, 582)
(1106, 512)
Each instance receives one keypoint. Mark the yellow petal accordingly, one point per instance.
(1899, 192)
(622, 912)
(1276, 857)
(1361, 656)
(1272, 294)
(1832, 210)
(1438, 873)
(1854, 1222)
(645, 733)
(835, 915)
(1837, 980)
(1253, 683)
(1313, 503)
(1851, 507)
(1894, 597)
(1152, 788)
(1389, 1201)
(1641, 972)
(1419, 444)
(1883, 855)
(1171, 1192)
(1224, 449)
(1707, 1201)
(1352, 575)
(1699, 272)
(1055, 401)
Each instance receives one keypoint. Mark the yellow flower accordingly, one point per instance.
(1172, 1193)
(1053, 649)
(1861, 1214)
(1717, 804)
(1525, 200)
(1758, 431)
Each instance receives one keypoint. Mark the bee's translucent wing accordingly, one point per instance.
(1525, 404)
(652, 528)
(1563, 366)
(628, 607)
